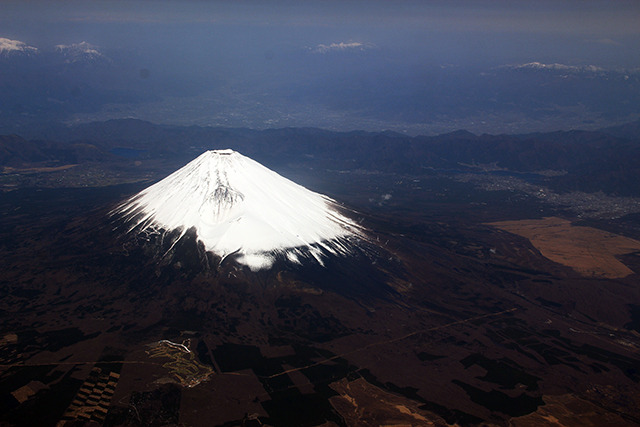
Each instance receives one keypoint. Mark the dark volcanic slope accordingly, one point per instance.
(456, 322)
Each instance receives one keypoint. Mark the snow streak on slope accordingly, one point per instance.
(237, 206)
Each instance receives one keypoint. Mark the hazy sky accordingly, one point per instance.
(261, 57)
(604, 32)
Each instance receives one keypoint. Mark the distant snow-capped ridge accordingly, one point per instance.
(556, 67)
(8, 46)
(80, 51)
(70, 53)
(342, 46)
(242, 209)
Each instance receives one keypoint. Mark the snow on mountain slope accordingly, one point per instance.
(78, 52)
(239, 207)
(8, 46)
(556, 67)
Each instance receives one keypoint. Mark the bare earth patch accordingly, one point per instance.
(569, 411)
(363, 404)
(589, 251)
(183, 364)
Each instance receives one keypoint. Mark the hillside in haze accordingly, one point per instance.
(604, 160)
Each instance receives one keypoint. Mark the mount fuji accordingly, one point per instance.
(241, 209)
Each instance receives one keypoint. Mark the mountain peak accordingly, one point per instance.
(8, 46)
(242, 209)
(78, 52)
(557, 67)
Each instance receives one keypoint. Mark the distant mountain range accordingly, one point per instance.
(557, 67)
(605, 160)
(18, 152)
(74, 52)
(51, 82)
(320, 86)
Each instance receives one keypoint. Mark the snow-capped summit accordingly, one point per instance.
(341, 47)
(78, 52)
(557, 67)
(9, 47)
(239, 207)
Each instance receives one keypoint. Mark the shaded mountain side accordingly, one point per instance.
(628, 130)
(590, 160)
(18, 152)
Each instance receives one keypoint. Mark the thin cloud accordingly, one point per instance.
(609, 42)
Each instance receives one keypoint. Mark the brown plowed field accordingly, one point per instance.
(589, 251)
